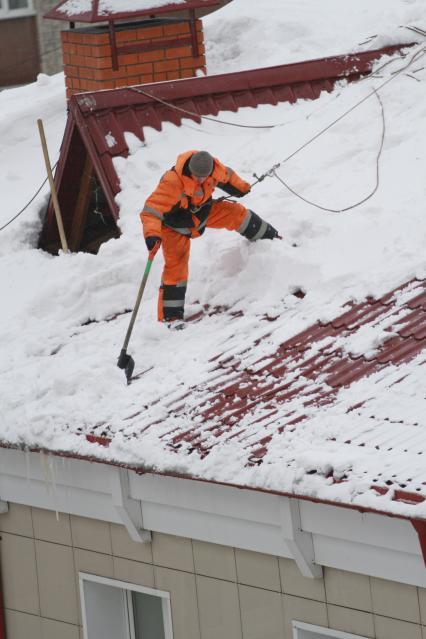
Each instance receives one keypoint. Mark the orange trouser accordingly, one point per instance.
(171, 299)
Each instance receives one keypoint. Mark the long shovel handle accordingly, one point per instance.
(53, 190)
(151, 256)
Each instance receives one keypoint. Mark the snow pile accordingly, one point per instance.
(59, 341)
(246, 35)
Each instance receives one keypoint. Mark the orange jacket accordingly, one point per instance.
(178, 190)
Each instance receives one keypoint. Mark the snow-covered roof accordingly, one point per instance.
(65, 317)
(100, 121)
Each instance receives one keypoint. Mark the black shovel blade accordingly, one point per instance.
(129, 369)
(126, 363)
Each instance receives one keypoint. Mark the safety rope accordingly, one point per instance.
(367, 197)
(415, 57)
(272, 171)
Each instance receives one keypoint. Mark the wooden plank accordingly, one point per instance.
(82, 206)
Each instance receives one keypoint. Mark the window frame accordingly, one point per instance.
(327, 632)
(128, 589)
(6, 12)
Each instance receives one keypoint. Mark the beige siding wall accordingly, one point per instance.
(215, 591)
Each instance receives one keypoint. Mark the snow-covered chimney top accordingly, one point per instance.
(94, 11)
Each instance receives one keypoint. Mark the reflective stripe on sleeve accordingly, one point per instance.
(229, 172)
(149, 209)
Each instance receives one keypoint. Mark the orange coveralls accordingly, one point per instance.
(174, 212)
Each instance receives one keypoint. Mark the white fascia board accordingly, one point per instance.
(312, 534)
(375, 561)
(367, 528)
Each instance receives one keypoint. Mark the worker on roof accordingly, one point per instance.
(181, 208)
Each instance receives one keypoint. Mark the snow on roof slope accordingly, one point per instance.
(246, 35)
(58, 373)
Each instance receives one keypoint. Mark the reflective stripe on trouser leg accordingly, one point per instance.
(172, 301)
(253, 227)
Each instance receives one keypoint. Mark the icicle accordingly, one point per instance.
(27, 462)
(47, 465)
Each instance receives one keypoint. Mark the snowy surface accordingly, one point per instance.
(77, 7)
(58, 374)
(246, 34)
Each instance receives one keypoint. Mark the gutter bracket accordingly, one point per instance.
(299, 542)
(420, 528)
(129, 510)
(4, 507)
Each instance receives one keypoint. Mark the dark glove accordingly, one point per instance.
(203, 211)
(179, 219)
(151, 241)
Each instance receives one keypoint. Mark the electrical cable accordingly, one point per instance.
(220, 121)
(27, 204)
(206, 117)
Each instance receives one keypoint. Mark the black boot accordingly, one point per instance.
(270, 233)
(254, 228)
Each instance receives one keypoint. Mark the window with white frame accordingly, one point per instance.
(307, 631)
(16, 8)
(114, 609)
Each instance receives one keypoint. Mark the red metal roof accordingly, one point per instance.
(309, 367)
(97, 14)
(94, 115)
(254, 401)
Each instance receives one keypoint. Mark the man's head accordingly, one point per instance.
(201, 164)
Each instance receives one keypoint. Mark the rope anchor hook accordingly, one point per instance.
(269, 173)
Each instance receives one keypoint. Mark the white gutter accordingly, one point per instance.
(312, 534)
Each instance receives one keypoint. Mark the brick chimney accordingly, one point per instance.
(140, 46)
(149, 51)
